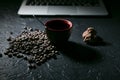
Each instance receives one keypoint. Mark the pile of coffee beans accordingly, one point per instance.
(31, 45)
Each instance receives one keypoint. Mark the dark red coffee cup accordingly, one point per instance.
(58, 30)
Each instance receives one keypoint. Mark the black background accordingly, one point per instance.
(77, 61)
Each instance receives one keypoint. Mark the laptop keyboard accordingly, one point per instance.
(88, 3)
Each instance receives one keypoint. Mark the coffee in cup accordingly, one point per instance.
(58, 30)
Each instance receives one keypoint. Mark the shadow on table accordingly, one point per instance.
(99, 42)
(80, 53)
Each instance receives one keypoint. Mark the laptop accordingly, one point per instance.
(63, 7)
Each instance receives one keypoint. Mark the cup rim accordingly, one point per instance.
(68, 22)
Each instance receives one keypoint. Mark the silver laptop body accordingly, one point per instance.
(72, 10)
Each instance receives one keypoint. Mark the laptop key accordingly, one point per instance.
(63, 2)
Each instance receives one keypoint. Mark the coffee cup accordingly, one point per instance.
(58, 30)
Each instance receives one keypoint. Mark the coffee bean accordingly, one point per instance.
(52, 53)
(11, 32)
(14, 48)
(6, 53)
(37, 30)
(38, 63)
(9, 39)
(31, 60)
(27, 52)
(22, 51)
(44, 59)
(49, 55)
(10, 55)
(40, 57)
(15, 54)
(55, 52)
(52, 46)
(45, 55)
(0, 54)
(41, 61)
(32, 66)
(25, 27)
(25, 58)
(35, 47)
(19, 55)
(30, 29)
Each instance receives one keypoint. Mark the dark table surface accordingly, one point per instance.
(82, 62)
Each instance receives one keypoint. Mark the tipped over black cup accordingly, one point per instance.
(58, 30)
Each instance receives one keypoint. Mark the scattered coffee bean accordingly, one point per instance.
(30, 29)
(32, 66)
(25, 27)
(9, 39)
(11, 32)
(32, 46)
(0, 54)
